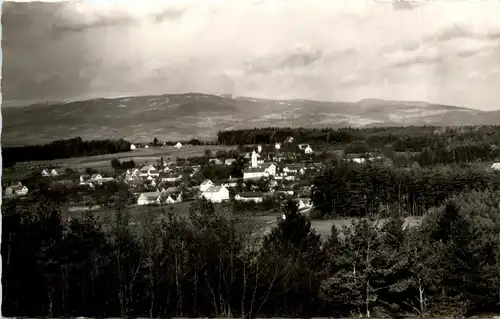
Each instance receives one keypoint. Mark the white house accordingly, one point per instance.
(178, 145)
(270, 168)
(174, 198)
(255, 197)
(150, 198)
(206, 184)
(147, 146)
(132, 147)
(277, 146)
(45, 173)
(495, 166)
(289, 139)
(149, 170)
(84, 179)
(216, 194)
(254, 173)
(17, 189)
(259, 149)
(229, 161)
(96, 177)
(308, 150)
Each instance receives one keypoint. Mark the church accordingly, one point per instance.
(256, 171)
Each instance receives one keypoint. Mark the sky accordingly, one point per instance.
(440, 51)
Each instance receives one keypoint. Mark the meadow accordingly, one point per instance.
(139, 156)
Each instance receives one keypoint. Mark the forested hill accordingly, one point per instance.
(195, 115)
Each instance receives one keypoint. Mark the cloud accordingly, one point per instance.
(340, 50)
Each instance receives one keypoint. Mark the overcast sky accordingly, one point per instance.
(438, 51)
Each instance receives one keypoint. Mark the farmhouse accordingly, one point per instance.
(495, 166)
(178, 145)
(151, 198)
(308, 150)
(255, 197)
(216, 194)
(149, 170)
(132, 147)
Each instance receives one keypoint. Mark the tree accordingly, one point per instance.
(115, 164)
(155, 141)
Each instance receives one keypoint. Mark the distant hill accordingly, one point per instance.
(182, 116)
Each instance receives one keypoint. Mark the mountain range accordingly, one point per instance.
(183, 116)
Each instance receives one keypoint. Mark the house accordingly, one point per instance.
(96, 177)
(178, 145)
(132, 147)
(84, 179)
(16, 189)
(229, 161)
(133, 181)
(255, 173)
(206, 184)
(172, 178)
(259, 149)
(231, 182)
(52, 172)
(216, 194)
(147, 146)
(255, 197)
(150, 198)
(289, 139)
(173, 194)
(166, 169)
(495, 166)
(292, 168)
(277, 146)
(149, 170)
(215, 161)
(134, 172)
(303, 146)
(270, 168)
(304, 203)
(308, 150)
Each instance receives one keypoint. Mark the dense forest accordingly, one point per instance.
(350, 190)
(74, 147)
(212, 264)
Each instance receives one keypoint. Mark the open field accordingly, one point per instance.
(267, 222)
(139, 156)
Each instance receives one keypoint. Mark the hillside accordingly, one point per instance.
(182, 116)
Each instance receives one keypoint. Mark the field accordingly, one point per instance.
(139, 156)
(267, 221)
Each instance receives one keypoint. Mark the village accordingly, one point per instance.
(263, 174)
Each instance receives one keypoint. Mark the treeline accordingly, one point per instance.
(410, 138)
(74, 147)
(364, 190)
(430, 145)
(214, 265)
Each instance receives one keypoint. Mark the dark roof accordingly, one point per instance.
(251, 194)
(254, 170)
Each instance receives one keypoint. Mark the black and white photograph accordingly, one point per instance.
(250, 159)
